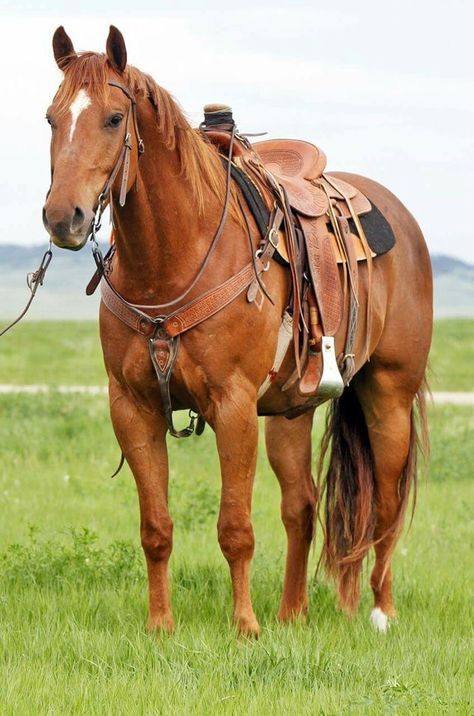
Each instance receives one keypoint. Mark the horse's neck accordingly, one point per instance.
(159, 237)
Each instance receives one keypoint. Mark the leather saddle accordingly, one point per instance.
(291, 173)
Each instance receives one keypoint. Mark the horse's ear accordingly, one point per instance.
(116, 50)
(63, 48)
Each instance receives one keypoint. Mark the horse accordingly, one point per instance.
(102, 116)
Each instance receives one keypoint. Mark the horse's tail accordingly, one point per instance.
(348, 491)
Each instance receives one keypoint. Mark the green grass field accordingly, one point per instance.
(73, 587)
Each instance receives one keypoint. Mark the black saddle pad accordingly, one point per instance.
(378, 231)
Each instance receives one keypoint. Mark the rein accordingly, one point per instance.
(34, 280)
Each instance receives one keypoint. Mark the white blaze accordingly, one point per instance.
(81, 102)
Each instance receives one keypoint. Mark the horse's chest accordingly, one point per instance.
(129, 361)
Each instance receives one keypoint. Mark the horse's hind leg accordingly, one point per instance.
(289, 451)
(388, 409)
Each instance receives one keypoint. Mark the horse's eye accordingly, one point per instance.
(114, 120)
(49, 121)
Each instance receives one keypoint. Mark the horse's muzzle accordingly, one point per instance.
(68, 229)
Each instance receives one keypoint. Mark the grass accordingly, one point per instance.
(53, 353)
(73, 586)
(452, 355)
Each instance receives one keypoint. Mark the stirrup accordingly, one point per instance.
(331, 384)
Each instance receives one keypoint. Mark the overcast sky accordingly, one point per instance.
(385, 88)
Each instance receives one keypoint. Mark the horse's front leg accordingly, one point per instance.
(141, 433)
(236, 427)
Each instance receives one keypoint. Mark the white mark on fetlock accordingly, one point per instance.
(81, 102)
(379, 619)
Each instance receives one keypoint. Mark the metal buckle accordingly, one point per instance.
(274, 232)
(258, 254)
(37, 276)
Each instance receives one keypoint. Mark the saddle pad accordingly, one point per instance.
(378, 231)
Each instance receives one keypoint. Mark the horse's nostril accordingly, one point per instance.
(78, 218)
(45, 218)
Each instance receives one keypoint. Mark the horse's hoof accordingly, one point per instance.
(161, 625)
(288, 615)
(379, 620)
(248, 627)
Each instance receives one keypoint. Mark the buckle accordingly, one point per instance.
(258, 254)
(274, 233)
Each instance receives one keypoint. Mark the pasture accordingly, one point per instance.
(73, 584)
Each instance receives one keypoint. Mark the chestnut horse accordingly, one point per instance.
(174, 198)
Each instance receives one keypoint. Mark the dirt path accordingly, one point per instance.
(36, 389)
(455, 398)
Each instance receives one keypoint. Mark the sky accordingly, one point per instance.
(386, 89)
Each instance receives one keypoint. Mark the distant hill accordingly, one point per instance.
(453, 287)
(62, 295)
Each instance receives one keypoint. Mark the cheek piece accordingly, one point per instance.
(123, 161)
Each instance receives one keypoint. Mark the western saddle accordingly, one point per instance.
(308, 214)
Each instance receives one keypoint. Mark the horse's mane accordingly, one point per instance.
(199, 162)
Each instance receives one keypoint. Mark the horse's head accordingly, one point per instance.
(90, 118)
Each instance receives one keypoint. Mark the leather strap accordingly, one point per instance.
(104, 266)
(188, 316)
(123, 160)
(324, 273)
(265, 254)
(348, 361)
(163, 352)
(210, 302)
(368, 255)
